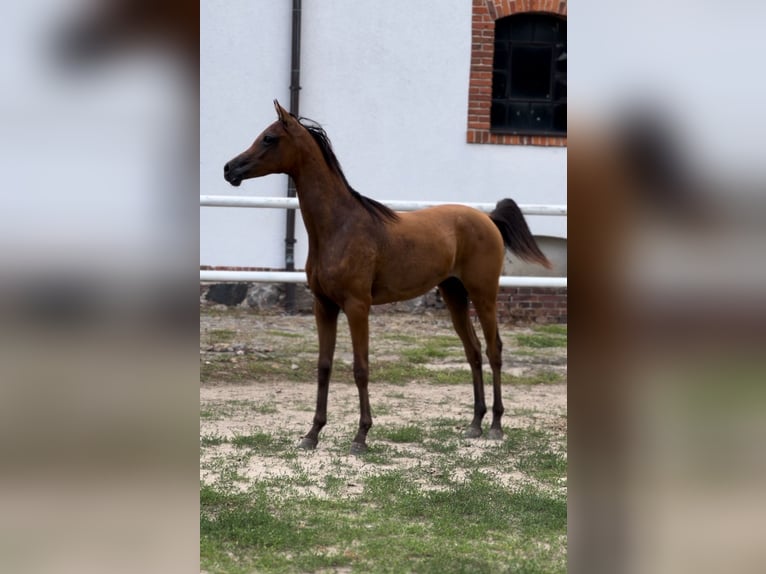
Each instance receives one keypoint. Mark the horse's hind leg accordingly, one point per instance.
(486, 308)
(326, 315)
(456, 298)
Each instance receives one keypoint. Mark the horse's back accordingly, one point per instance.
(464, 228)
(426, 247)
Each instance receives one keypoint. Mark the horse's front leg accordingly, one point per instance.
(358, 313)
(326, 315)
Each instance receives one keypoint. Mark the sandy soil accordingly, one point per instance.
(286, 408)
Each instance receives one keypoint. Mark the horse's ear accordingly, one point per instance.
(282, 113)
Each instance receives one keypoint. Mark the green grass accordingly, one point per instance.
(265, 409)
(225, 409)
(541, 377)
(263, 443)
(543, 337)
(404, 434)
(209, 414)
(553, 329)
(474, 525)
(297, 364)
(250, 406)
(286, 334)
(220, 336)
(402, 373)
(432, 348)
(248, 368)
(211, 440)
(546, 466)
(378, 453)
(422, 499)
(257, 440)
(535, 454)
(296, 369)
(541, 340)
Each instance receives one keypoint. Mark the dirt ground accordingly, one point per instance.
(284, 408)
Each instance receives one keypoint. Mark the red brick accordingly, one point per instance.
(549, 297)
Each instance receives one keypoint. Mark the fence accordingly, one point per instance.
(300, 276)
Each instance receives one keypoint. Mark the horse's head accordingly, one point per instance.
(273, 151)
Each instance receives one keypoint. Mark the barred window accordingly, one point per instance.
(529, 75)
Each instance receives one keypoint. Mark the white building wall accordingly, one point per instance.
(389, 83)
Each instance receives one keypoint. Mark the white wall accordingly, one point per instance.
(387, 80)
(244, 65)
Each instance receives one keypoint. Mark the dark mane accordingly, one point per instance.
(376, 209)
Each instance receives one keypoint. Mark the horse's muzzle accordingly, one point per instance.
(232, 175)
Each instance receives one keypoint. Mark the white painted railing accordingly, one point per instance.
(300, 276)
(396, 205)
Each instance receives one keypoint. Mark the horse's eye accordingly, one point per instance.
(268, 140)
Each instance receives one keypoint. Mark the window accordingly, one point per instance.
(529, 75)
(489, 17)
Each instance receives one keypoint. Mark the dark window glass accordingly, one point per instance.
(499, 85)
(560, 118)
(497, 114)
(529, 75)
(518, 27)
(500, 62)
(518, 114)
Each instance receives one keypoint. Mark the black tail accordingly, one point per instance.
(515, 231)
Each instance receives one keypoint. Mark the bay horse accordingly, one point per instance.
(361, 253)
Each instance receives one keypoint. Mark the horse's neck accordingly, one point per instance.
(324, 200)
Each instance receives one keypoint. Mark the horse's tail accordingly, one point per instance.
(515, 231)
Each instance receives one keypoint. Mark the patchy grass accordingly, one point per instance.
(220, 336)
(552, 329)
(543, 337)
(544, 465)
(421, 499)
(540, 377)
(257, 440)
(209, 414)
(427, 349)
(471, 525)
(536, 454)
(404, 434)
(211, 440)
(541, 340)
(402, 373)
(285, 334)
(450, 514)
(436, 359)
(241, 369)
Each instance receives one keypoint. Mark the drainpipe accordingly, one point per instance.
(295, 86)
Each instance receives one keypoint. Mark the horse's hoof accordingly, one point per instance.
(358, 448)
(472, 432)
(307, 443)
(496, 434)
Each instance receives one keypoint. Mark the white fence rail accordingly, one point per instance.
(292, 203)
(300, 276)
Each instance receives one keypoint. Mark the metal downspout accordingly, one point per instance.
(295, 86)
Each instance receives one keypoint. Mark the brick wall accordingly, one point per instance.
(532, 305)
(229, 268)
(485, 12)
